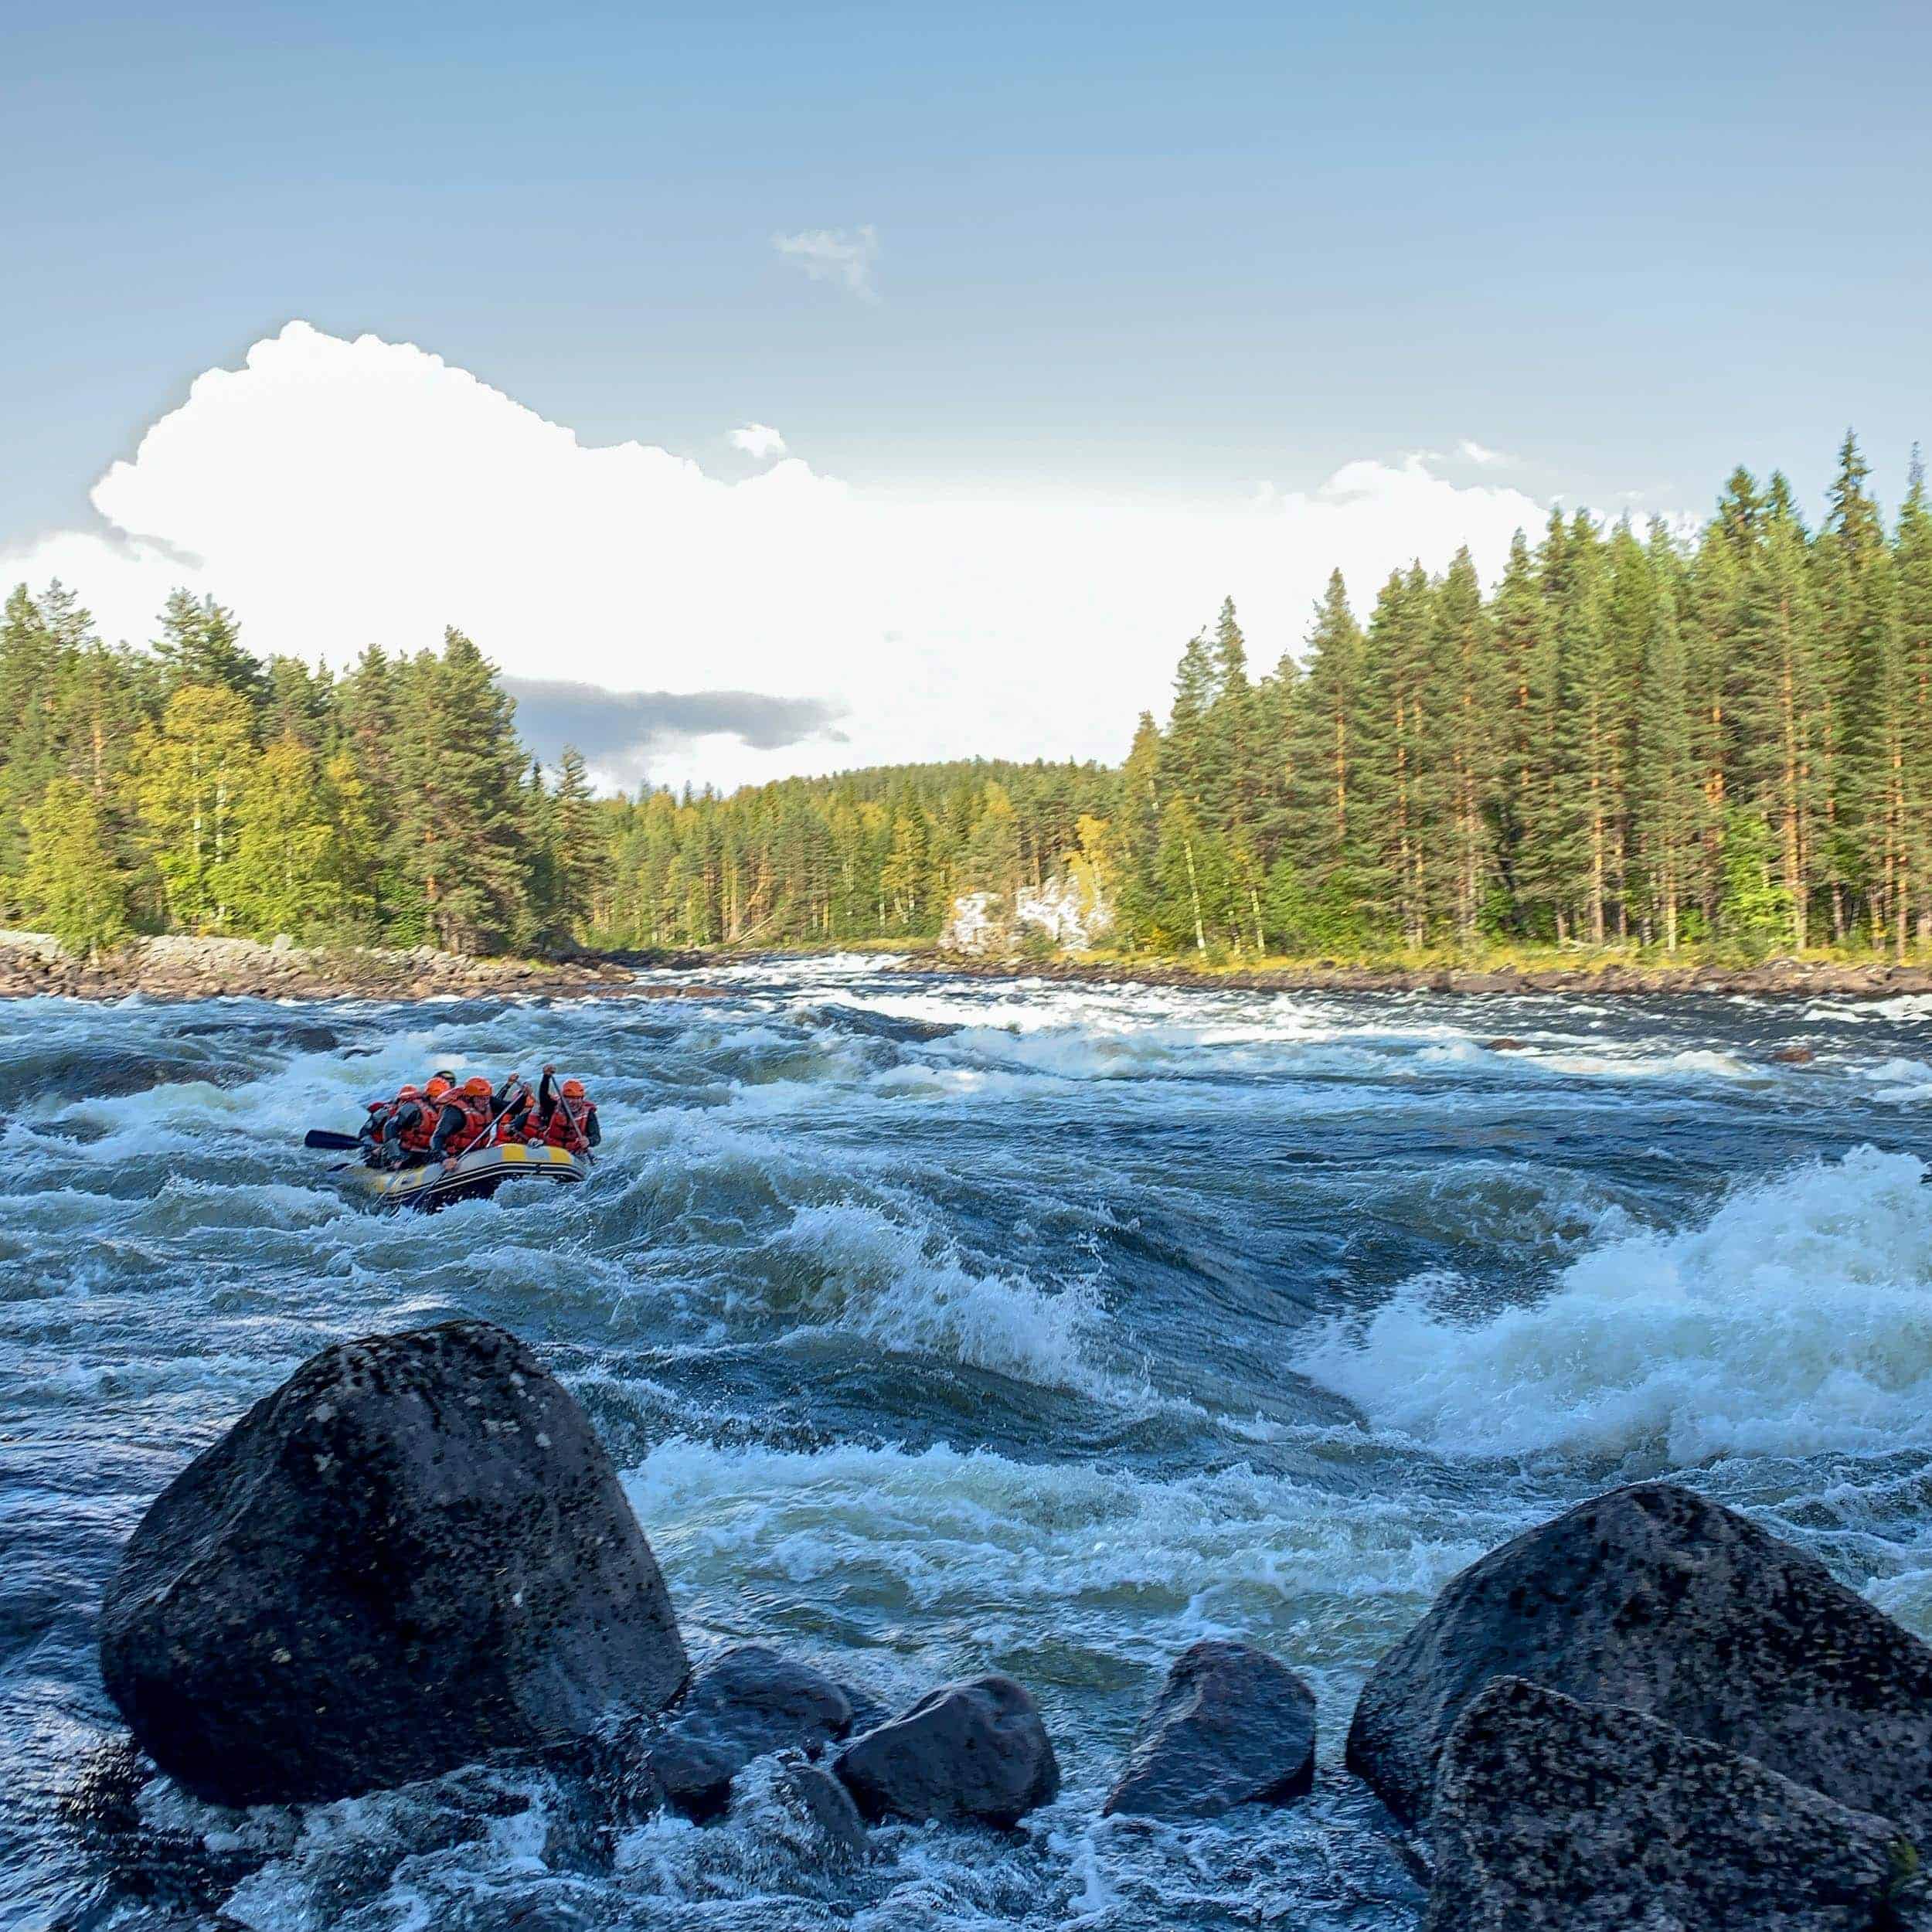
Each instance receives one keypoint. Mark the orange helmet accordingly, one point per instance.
(435, 1088)
(476, 1086)
(411, 1092)
(574, 1089)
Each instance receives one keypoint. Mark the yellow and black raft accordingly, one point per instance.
(475, 1177)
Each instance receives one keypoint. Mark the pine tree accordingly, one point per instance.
(1467, 698)
(1666, 797)
(200, 643)
(461, 839)
(1137, 817)
(1523, 672)
(1914, 573)
(1193, 759)
(1336, 845)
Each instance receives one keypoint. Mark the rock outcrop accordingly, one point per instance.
(1654, 1598)
(1231, 1726)
(972, 1750)
(1554, 1816)
(413, 1553)
(747, 1702)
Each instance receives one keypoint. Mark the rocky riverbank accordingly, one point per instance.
(1776, 978)
(174, 966)
(1648, 1711)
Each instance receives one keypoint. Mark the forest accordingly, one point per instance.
(1632, 739)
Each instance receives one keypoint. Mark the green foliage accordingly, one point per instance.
(1631, 739)
(75, 882)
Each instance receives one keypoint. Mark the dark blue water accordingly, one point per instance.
(945, 1326)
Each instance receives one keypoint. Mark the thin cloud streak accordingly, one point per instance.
(841, 255)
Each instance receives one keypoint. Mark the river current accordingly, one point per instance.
(943, 1325)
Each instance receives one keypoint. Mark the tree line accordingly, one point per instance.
(193, 787)
(1632, 737)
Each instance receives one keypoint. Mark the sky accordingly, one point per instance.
(841, 383)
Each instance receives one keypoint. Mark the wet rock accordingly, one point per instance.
(972, 1750)
(1573, 1817)
(1794, 1056)
(747, 1702)
(1654, 1598)
(414, 1552)
(1506, 1045)
(823, 1804)
(1231, 1726)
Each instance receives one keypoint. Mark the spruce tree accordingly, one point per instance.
(200, 643)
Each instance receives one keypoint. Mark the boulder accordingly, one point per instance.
(414, 1552)
(1562, 1817)
(974, 1751)
(1653, 1597)
(1231, 1726)
(817, 1799)
(745, 1703)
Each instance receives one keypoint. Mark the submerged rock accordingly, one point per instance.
(973, 1751)
(1231, 1726)
(415, 1551)
(1565, 1817)
(745, 1703)
(1655, 1598)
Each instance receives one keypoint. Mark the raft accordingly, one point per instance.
(475, 1177)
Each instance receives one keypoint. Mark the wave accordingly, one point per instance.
(964, 1544)
(854, 1267)
(1797, 1319)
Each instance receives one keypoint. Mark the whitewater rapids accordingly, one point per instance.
(947, 1325)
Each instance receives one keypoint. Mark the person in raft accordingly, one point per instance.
(566, 1116)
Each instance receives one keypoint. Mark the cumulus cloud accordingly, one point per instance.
(337, 493)
(1480, 453)
(758, 440)
(842, 255)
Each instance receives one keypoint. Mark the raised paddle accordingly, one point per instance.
(326, 1136)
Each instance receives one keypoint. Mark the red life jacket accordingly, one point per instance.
(477, 1112)
(414, 1136)
(569, 1122)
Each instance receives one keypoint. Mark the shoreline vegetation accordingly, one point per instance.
(1713, 747)
(173, 967)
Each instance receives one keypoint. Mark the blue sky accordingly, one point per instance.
(1128, 257)
(1146, 248)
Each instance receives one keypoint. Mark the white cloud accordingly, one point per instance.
(841, 255)
(340, 492)
(1478, 453)
(758, 440)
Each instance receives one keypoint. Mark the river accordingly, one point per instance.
(947, 1326)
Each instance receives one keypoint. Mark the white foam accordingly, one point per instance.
(911, 1291)
(949, 1547)
(1797, 1318)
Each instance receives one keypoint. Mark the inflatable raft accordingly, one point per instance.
(475, 1177)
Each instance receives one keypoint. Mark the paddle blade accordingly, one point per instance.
(323, 1136)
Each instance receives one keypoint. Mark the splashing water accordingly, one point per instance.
(949, 1325)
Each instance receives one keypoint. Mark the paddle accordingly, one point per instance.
(325, 1137)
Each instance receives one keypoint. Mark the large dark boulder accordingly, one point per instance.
(1231, 1726)
(415, 1551)
(974, 1751)
(1554, 1816)
(745, 1703)
(1654, 1598)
